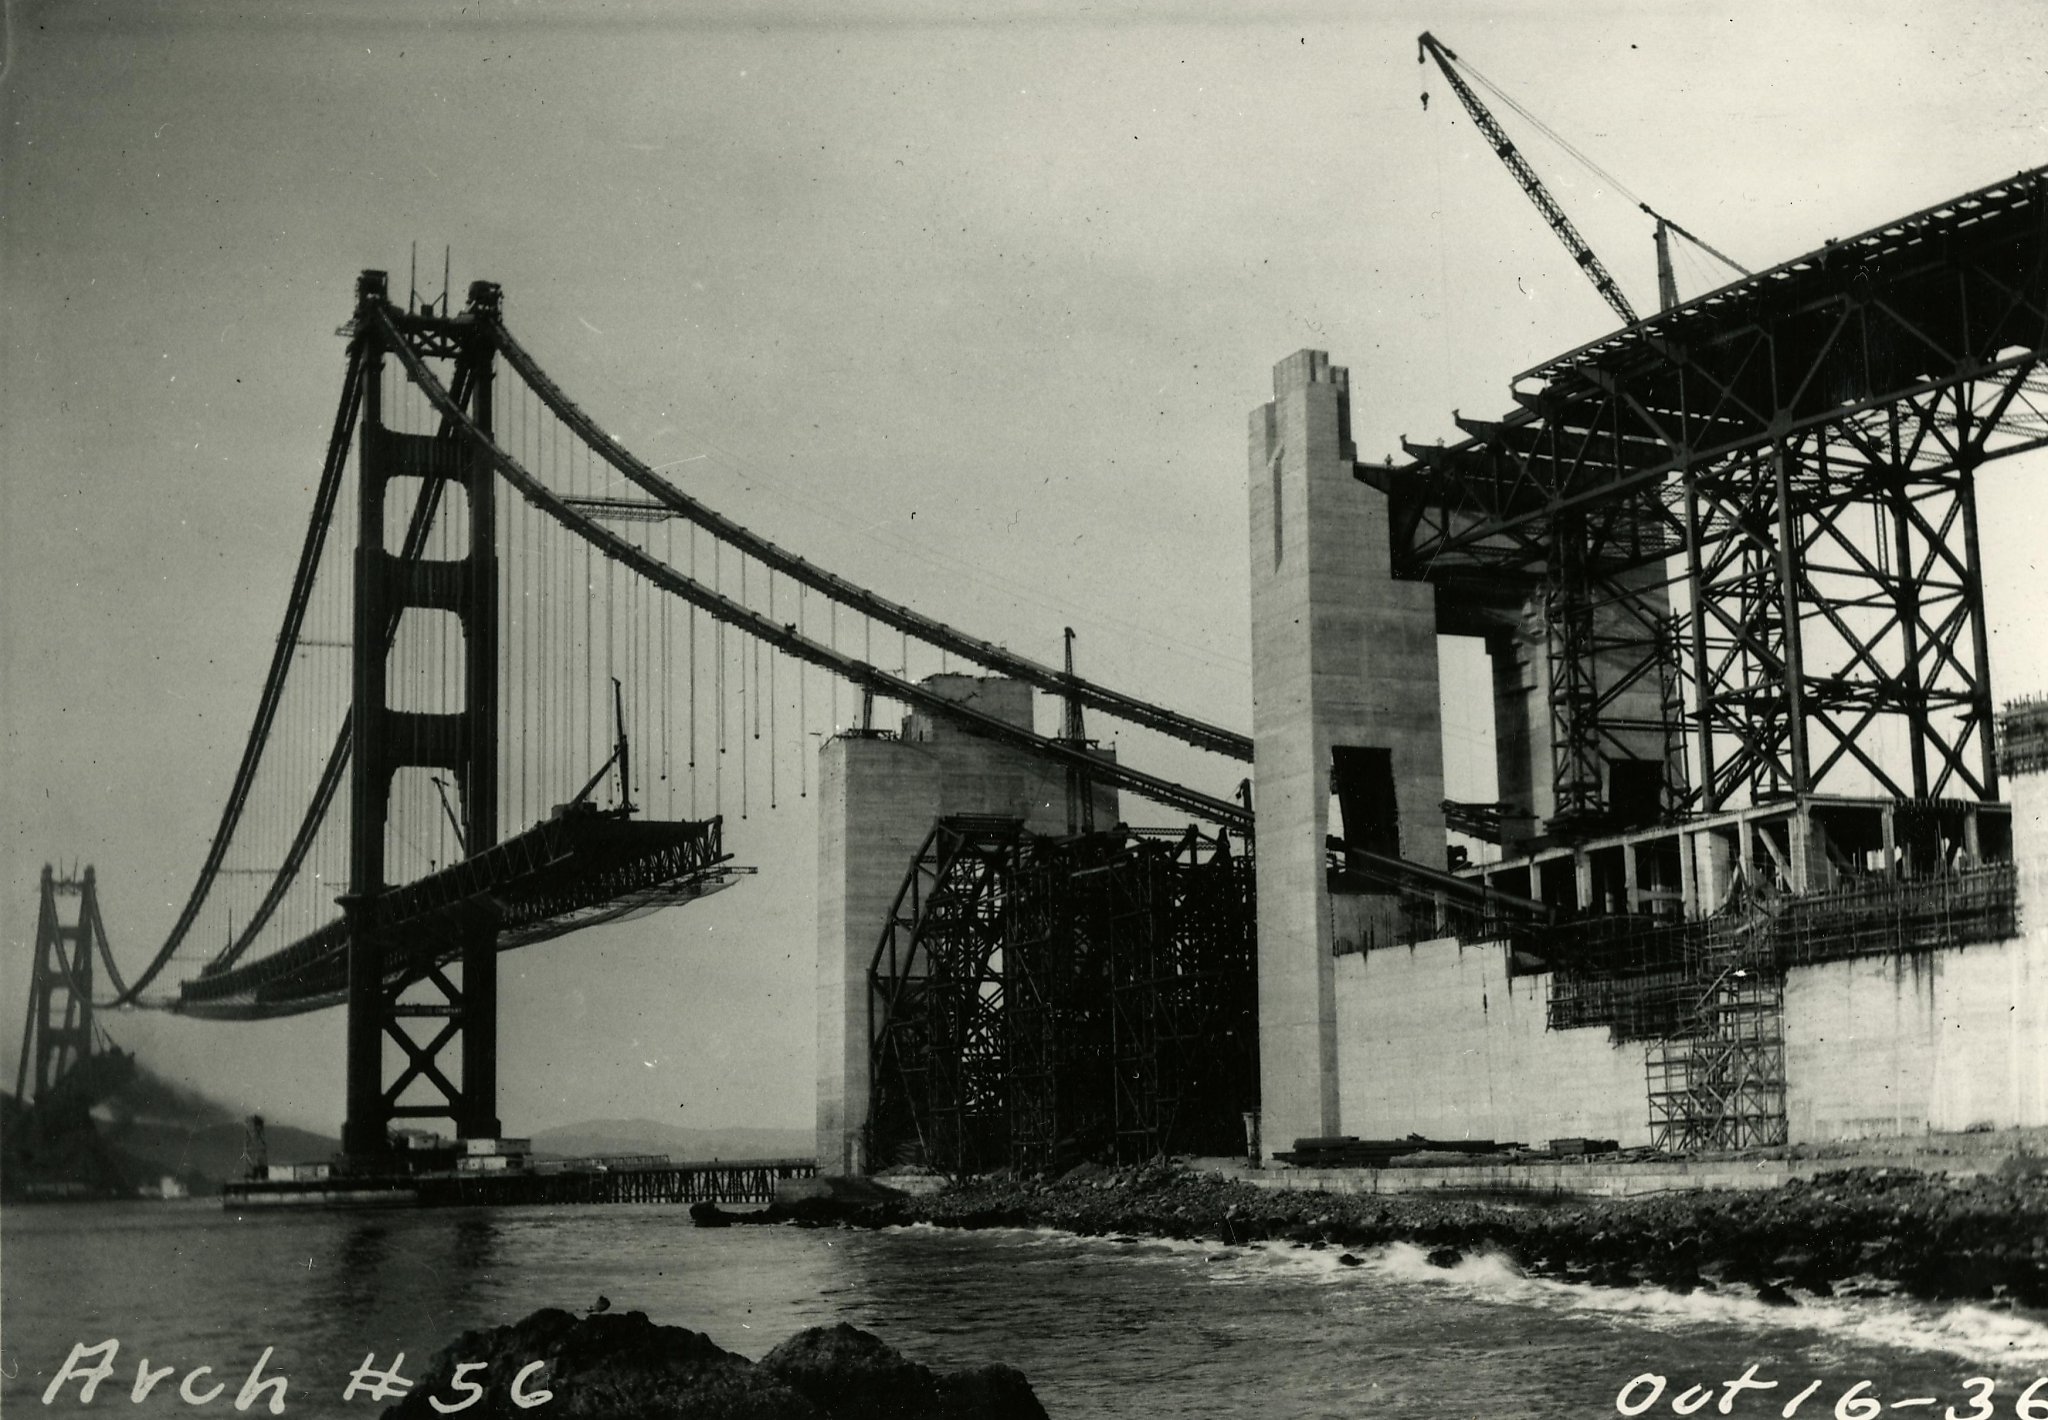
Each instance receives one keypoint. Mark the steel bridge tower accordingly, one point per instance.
(463, 742)
(58, 1036)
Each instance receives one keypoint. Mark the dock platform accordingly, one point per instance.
(734, 1181)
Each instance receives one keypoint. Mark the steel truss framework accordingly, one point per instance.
(1036, 1000)
(1717, 1073)
(1798, 450)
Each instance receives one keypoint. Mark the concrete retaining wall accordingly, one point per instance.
(1436, 1040)
(1942, 1041)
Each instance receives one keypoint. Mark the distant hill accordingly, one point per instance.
(645, 1136)
(165, 1129)
(148, 1128)
(127, 1133)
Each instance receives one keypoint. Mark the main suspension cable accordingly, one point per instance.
(948, 639)
(727, 612)
(281, 657)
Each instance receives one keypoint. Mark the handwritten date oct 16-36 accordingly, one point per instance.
(1748, 1393)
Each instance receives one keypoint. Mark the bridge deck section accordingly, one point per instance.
(572, 871)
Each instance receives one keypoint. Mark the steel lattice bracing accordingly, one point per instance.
(1036, 1000)
(1798, 452)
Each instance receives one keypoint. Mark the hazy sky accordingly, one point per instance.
(965, 302)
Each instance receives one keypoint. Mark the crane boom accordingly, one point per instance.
(1504, 148)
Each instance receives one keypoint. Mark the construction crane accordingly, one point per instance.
(1427, 47)
(1667, 282)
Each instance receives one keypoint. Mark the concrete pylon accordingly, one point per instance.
(1343, 657)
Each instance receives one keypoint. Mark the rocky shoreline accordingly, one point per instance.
(1857, 1232)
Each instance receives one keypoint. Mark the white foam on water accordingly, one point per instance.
(1970, 1332)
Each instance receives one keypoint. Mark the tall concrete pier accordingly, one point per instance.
(1346, 723)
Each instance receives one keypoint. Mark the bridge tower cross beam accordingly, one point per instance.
(463, 742)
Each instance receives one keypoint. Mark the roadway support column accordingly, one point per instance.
(1344, 673)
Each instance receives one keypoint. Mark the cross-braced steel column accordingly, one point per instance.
(1839, 626)
(1802, 448)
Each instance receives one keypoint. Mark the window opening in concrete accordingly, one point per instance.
(1274, 465)
(1559, 879)
(1366, 810)
(1635, 792)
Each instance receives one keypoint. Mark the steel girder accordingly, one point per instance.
(1799, 451)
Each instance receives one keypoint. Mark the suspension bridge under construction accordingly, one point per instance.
(1724, 562)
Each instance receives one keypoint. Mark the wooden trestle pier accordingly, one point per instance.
(738, 1181)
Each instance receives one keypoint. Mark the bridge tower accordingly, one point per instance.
(463, 741)
(59, 1034)
(1346, 726)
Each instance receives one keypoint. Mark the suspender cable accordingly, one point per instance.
(273, 681)
(693, 680)
(727, 612)
(803, 713)
(332, 775)
(668, 551)
(946, 638)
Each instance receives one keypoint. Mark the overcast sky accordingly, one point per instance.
(968, 303)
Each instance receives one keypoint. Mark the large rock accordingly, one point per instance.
(625, 1367)
(852, 1374)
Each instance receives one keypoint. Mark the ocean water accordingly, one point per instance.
(1101, 1327)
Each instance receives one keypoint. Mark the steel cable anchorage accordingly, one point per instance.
(901, 618)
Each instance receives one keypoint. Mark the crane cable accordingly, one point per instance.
(1586, 161)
